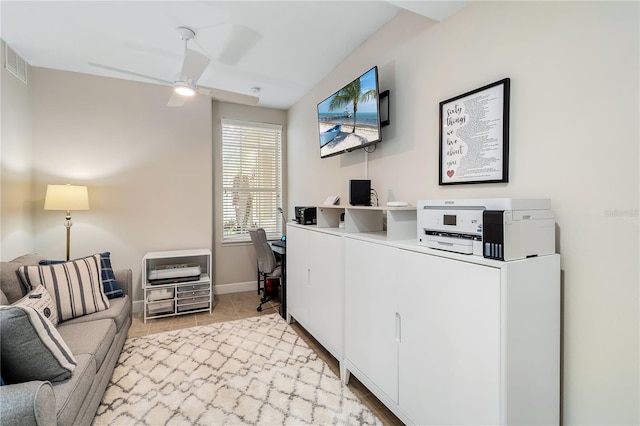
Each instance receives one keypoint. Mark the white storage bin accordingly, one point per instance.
(160, 294)
(156, 308)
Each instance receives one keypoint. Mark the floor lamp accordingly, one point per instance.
(67, 198)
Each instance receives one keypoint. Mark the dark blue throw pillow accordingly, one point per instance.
(109, 284)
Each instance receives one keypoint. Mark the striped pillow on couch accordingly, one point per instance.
(109, 283)
(75, 286)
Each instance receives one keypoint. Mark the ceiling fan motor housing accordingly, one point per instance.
(186, 33)
(183, 88)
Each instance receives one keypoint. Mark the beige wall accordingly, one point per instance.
(16, 232)
(147, 167)
(236, 262)
(574, 139)
(149, 170)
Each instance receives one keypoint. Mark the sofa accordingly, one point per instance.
(95, 341)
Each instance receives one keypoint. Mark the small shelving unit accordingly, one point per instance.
(401, 221)
(177, 298)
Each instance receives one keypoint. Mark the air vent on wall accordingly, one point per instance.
(15, 64)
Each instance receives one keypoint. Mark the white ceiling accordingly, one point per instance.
(283, 47)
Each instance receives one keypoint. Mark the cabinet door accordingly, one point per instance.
(450, 341)
(298, 273)
(326, 289)
(371, 279)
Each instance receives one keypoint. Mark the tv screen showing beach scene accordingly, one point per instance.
(350, 118)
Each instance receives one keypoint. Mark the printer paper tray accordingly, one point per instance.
(456, 245)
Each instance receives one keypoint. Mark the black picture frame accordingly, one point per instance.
(474, 136)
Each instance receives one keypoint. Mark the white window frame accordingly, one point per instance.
(251, 177)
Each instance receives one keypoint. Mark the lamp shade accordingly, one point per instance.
(66, 197)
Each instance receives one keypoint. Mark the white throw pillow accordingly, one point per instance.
(40, 300)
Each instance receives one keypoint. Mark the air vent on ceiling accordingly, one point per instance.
(15, 64)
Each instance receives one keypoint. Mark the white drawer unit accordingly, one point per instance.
(184, 295)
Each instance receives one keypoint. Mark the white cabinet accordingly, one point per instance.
(326, 285)
(449, 352)
(371, 333)
(438, 337)
(177, 298)
(298, 297)
(442, 340)
(315, 284)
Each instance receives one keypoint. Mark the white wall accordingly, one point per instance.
(147, 167)
(16, 232)
(574, 134)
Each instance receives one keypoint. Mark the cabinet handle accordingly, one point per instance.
(398, 328)
(309, 277)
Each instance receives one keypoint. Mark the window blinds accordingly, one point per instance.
(251, 178)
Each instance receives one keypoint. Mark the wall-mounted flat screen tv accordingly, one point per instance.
(350, 118)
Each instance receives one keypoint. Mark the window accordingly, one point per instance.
(251, 179)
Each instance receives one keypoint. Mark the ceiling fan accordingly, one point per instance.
(194, 64)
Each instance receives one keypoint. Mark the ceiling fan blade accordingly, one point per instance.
(226, 96)
(194, 65)
(240, 41)
(176, 100)
(93, 64)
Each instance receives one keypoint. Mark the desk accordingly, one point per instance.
(282, 293)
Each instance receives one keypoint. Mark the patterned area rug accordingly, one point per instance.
(255, 371)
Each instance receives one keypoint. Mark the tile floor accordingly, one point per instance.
(229, 307)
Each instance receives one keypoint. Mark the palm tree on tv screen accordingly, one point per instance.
(350, 94)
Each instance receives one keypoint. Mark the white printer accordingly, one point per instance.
(496, 228)
(181, 272)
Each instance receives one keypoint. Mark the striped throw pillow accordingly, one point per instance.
(75, 286)
(109, 283)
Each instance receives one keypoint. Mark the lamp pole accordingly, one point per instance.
(67, 224)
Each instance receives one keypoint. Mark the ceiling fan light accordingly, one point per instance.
(184, 90)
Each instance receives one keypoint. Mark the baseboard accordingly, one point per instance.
(138, 305)
(235, 287)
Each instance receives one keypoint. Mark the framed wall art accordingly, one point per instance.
(474, 136)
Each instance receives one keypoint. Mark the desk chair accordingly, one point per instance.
(268, 267)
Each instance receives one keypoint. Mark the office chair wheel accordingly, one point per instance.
(259, 309)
